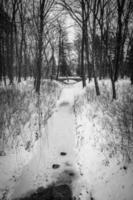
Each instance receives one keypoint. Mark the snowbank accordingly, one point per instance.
(105, 154)
(23, 117)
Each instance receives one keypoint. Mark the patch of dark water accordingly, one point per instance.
(63, 153)
(55, 166)
(53, 192)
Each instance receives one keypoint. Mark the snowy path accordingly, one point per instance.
(54, 156)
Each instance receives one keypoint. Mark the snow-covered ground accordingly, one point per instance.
(80, 144)
(20, 117)
(57, 137)
(100, 126)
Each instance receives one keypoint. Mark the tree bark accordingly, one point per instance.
(112, 80)
(120, 8)
(25, 60)
(10, 68)
(83, 45)
(40, 46)
(87, 51)
(93, 49)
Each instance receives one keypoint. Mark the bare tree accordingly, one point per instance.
(5, 33)
(22, 25)
(95, 12)
(120, 12)
(83, 43)
(126, 21)
(15, 6)
(101, 21)
(44, 9)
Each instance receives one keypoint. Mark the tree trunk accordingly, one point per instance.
(39, 62)
(87, 51)
(131, 78)
(40, 47)
(93, 51)
(20, 61)
(120, 8)
(113, 89)
(5, 62)
(112, 80)
(101, 55)
(17, 52)
(58, 69)
(83, 45)
(25, 60)
(95, 81)
(59, 55)
(10, 68)
(82, 64)
(21, 43)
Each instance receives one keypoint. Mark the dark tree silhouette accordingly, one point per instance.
(130, 62)
(44, 9)
(120, 11)
(5, 39)
(95, 12)
(83, 44)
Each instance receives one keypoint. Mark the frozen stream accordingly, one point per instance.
(54, 156)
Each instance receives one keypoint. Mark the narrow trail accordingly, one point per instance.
(54, 157)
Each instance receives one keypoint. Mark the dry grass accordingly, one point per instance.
(22, 112)
(112, 121)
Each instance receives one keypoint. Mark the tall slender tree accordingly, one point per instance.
(95, 12)
(44, 9)
(120, 12)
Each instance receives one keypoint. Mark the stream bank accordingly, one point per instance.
(54, 157)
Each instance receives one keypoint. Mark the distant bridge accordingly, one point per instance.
(69, 79)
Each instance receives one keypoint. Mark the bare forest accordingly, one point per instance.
(66, 99)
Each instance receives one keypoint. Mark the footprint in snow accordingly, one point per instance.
(63, 153)
(55, 166)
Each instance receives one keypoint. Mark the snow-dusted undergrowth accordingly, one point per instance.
(111, 121)
(104, 130)
(104, 133)
(23, 116)
(22, 112)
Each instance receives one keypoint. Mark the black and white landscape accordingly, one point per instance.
(66, 100)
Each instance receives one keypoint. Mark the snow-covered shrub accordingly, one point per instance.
(12, 105)
(110, 122)
(122, 111)
(22, 112)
